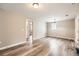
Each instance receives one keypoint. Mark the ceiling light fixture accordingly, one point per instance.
(73, 3)
(66, 15)
(35, 5)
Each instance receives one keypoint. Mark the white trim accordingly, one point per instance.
(9, 46)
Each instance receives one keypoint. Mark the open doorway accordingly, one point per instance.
(29, 26)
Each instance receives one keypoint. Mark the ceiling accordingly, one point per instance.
(49, 10)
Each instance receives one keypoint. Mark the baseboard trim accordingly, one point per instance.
(62, 38)
(9, 46)
(38, 38)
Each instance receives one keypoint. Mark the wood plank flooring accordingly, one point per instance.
(61, 47)
(44, 47)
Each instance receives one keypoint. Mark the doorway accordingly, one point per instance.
(29, 39)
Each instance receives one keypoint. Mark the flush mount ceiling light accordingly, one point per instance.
(73, 3)
(66, 15)
(35, 5)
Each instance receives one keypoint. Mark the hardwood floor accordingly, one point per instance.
(61, 47)
(43, 47)
(37, 49)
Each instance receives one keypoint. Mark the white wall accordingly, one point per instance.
(1, 26)
(13, 26)
(64, 29)
(77, 31)
(39, 29)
